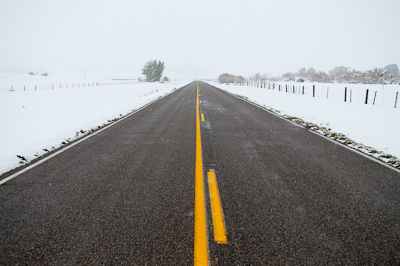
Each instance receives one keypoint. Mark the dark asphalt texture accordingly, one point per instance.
(126, 195)
(291, 197)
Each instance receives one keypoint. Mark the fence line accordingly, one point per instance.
(349, 95)
(94, 84)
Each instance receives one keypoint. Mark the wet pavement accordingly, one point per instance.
(126, 195)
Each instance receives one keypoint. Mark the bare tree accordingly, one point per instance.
(310, 70)
(301, 72)
(228, 78)
(392, 69)
(288, 76)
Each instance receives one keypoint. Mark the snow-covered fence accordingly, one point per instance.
(380, 95)
(66, 85)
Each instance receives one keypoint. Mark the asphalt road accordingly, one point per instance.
(127, 194)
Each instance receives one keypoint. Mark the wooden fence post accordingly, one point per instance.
(303, 90)
(374, 99)
(395, 102)
(366, 97)
(345, 94)
(313, 90)
(351, 94)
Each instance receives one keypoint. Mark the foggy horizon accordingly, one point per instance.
(199, 39)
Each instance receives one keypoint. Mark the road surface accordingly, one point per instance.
(127, 195)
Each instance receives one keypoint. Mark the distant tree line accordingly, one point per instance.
(37, 73)
(258, 77)
(386, 75)
(228, 78)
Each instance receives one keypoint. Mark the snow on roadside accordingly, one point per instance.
(37, 121)
(372, 125)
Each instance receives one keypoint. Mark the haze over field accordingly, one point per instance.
(197, 39)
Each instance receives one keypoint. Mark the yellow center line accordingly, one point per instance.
(216, 209)
(202, 117)
(200, 231)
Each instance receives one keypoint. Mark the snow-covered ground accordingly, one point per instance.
(25, 82)
(375, 125)
(36, 121)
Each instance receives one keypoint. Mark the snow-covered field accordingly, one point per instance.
(375, 125)
(25, 82)
(379, 95)
(36, 121)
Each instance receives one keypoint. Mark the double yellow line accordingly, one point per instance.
(200, 227)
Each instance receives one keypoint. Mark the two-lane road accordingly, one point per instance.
(127, 194)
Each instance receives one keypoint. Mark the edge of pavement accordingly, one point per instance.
(13, 173)
(316, 133)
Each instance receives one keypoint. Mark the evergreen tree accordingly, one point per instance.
(153, 70)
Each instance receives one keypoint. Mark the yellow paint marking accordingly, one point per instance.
(200, 101)
(200, 231)
(216, 209)
(202, 117)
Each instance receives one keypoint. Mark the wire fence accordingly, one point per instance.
(372, 95)
(54, 86)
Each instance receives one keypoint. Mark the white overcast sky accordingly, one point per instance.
(198, 39)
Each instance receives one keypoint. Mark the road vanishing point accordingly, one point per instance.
(201, 177)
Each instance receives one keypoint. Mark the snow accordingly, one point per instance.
(35, 121)
(376, 126)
